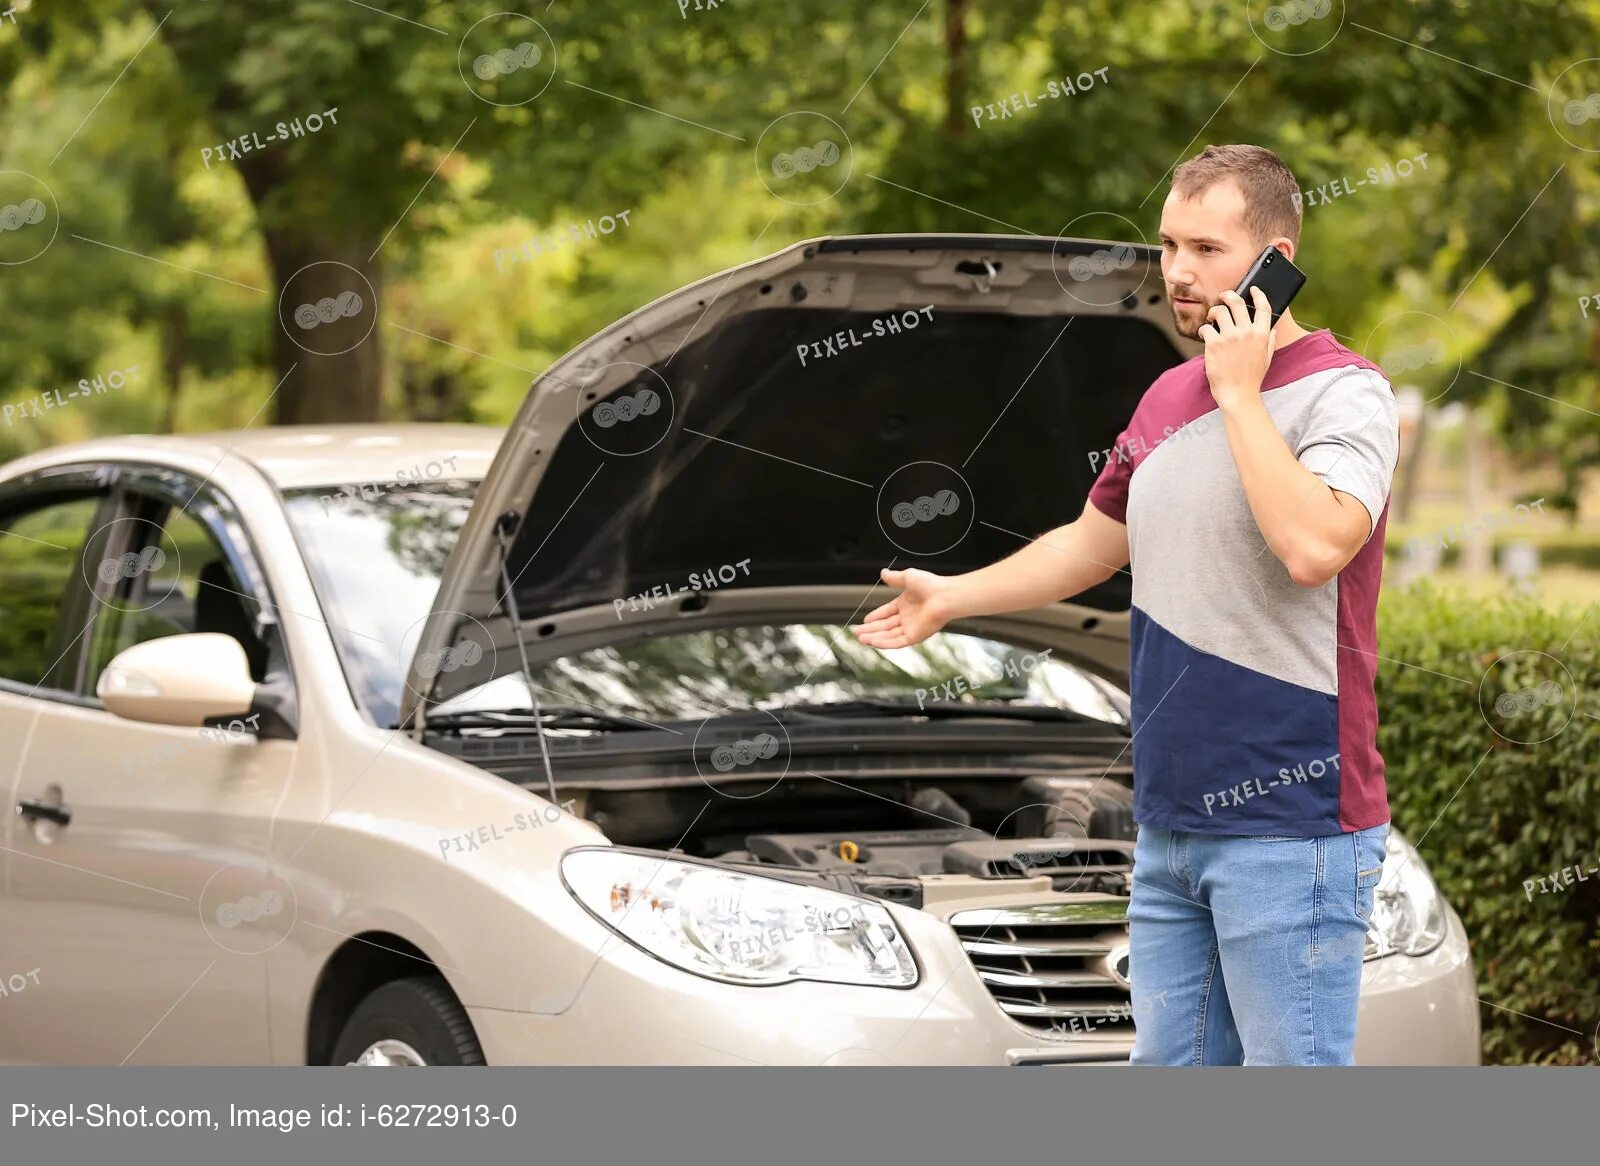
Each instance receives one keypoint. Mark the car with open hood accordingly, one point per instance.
(444, 744)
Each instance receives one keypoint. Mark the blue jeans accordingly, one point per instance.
(1247, 949)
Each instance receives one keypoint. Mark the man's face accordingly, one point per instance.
(1205, 251)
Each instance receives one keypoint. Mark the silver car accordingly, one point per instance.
(431, 744)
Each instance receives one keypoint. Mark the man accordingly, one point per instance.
(1258, 788)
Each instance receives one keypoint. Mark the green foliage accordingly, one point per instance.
(1487, 813)
(38, 554)
(1479, 220)
(1498, 235)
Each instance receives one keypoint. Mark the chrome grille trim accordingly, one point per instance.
(1064, 911)
(1005, 979)
(977, 947)
(1047, 964)
(1083, 1009)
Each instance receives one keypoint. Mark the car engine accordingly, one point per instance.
(887, 839)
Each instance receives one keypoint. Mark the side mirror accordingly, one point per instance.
(179, 680)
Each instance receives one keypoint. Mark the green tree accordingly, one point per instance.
(420, 180)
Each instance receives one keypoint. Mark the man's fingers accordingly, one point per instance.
(888, 631)
(1237, 311)
(882, 627)
(885, 624)
(885, 628)
(1263, 318)
(886, 615)
(891, 639)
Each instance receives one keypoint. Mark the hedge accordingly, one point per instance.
(1527, 811)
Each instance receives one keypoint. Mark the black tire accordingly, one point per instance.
(422, 1012)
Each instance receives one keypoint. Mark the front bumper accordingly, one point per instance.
(1421, 1010)
(634, 1009)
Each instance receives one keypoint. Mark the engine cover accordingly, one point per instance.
(885, 852)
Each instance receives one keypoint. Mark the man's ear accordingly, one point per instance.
(1286, 245)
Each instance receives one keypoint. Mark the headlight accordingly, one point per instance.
(739, 928)
(1408, 914)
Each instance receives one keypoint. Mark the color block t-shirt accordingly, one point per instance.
(1253, 706)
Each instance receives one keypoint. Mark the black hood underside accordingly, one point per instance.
(798, 468)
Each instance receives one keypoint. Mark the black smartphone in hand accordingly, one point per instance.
(1275, 275)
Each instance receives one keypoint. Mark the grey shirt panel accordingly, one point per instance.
(1201, 568)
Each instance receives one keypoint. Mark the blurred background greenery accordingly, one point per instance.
(173, 261)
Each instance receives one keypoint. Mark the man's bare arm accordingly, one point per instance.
(1312, 528)
(1058, 564)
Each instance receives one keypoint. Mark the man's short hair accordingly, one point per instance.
(1271, 205)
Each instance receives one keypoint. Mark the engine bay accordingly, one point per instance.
(887, 838)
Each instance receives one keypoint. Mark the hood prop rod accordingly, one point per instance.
(503, 526)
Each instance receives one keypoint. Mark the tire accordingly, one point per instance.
(419, 1016)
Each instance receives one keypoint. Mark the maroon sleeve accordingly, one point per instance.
(1110, 490)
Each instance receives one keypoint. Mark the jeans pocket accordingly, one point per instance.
(1275, 837)
(1370, 847)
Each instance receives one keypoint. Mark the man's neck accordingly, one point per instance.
(1286, 331)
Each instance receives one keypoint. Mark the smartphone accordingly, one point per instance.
(1275, 275)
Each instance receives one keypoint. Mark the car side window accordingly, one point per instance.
(170, 577)
(41, 549)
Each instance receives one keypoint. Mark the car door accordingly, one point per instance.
(45, 524)
(139, 875)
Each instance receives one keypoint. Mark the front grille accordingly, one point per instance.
(1050, 965)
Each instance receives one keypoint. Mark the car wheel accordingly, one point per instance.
(417, 1021)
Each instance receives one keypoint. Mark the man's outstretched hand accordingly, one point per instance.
(910, 617)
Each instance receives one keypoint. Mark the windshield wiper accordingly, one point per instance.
(937, 709)
(551, 716)
(566, 716)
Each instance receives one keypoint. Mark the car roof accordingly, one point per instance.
(294, 456)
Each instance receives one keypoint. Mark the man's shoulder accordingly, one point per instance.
(1320, 353)
(1343, 356)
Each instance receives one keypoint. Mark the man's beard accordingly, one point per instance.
(1193, 319)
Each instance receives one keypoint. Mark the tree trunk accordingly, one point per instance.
(955, 68)
(174, 357)
(311, 388)
(339, 386)
(431, 396)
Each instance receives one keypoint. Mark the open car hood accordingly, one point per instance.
(801, 421)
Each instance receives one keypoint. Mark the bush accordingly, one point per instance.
(1488, 812)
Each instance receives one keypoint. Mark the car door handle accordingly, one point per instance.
(34, 808)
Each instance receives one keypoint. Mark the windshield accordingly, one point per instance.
(696, 674)
(376, 562)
